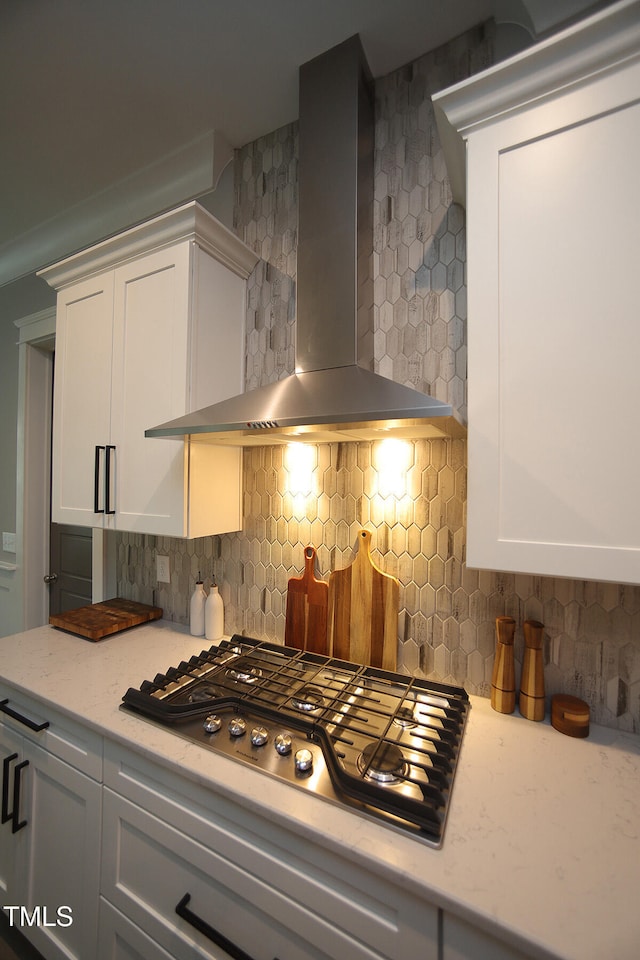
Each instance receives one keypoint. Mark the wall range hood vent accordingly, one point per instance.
(333, 395)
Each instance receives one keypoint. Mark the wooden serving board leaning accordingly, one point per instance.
(363, 611)
(307, 606)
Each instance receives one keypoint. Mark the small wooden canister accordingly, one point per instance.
(532, 680)
(503, 680)
(570, 715)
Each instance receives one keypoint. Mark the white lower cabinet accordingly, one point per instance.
(105, 854)
(158, 871)
(204, 878)
(50, 834)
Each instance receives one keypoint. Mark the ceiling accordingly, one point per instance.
(93, 92)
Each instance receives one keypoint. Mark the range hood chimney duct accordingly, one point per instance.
(334, 321)
(334, 394)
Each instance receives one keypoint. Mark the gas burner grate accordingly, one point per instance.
(384, 744)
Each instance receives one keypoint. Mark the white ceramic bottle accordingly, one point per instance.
(196, 613)
(214, 615)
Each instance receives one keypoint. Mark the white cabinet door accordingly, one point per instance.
(11, 842)
(176, 347)
(82, 397)
(553, 206)
(50, 840)
(62, 808)
(121, 366)
(150, 385)
(553, 463)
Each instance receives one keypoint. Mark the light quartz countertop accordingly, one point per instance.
(542, 842)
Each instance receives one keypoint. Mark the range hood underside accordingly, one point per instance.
(320, 406)
(334, 395)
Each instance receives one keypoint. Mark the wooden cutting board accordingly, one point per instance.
(363, 611)
(98, 620)
(307, 607)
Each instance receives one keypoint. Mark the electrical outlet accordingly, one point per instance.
(9, 542)
(162, 569)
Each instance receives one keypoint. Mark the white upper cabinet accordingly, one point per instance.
(553, 246)
(149, 327)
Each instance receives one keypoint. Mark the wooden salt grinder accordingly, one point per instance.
(532, 680)
(503, 681)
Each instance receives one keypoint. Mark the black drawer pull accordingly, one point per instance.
(10, 712)
(13, 815)
(96, 481)
(17, 824)
(6, 816)
(107, 478)
(203, 927)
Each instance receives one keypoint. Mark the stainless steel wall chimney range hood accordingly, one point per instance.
(333, 395)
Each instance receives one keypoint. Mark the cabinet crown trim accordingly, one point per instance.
(187, 222)
(602, 42)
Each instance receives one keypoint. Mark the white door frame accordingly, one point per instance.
(36, 343)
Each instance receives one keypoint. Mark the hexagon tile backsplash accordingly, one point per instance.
(446, 628)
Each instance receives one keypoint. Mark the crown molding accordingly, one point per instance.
(190, 171)
(188, 222)
(604, 42)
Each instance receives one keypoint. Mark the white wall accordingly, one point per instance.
(8, 415)
(19, 299)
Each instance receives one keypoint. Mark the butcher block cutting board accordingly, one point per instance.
(307, 608)
(363, 611)
(98, 620)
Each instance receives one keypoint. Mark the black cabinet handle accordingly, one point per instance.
(96, 482)
(6, 816)
(16, 823)
(37, 727)
(13, 815)
(107, 478)
(203, 927)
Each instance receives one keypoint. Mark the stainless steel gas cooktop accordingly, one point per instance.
(383, 744)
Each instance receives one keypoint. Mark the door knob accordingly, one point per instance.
(50, 577)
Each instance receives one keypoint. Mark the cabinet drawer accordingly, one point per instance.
(69, 741)
(149, 866)
(119, 939)
(347, 910)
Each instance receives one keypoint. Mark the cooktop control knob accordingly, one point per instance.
(303, 760)
(259, 736)
(237, 726)
(283, 743)
(212, 724)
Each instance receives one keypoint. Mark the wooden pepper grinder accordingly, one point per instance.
(532, 680)
(503, 681)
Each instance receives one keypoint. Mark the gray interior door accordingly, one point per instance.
(69, 567)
